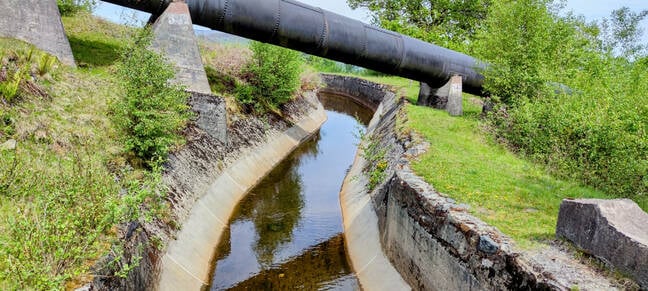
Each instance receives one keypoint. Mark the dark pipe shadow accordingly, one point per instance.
(94, 53)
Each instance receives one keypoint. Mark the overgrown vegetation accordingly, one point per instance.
(152, 111)
(65, 182)
(271, 77)
(374, 154)
(72, 7)
(571, 94)
(573, 99)
(58, 201)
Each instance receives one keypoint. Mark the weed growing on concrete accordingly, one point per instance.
(374, 153)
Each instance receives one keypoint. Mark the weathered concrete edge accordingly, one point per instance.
(465, 241)
(599, 227)
(372, 266)
(187, 261)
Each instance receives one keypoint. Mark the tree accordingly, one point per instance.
(622, 32)
(71, 7)
(449, 23)
(272, 77)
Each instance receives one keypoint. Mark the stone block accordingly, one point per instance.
(173, 37)
(447, 97)
(455, 105)
(615, 231)
(212, 115)
(37, 22)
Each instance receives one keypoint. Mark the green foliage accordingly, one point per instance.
(59, 215)
(72, 7)
(330, 66)
(272, 77)
(19, 69)
(152, 112)
(622, 32)
(449, 23)
(524, 42)
(10, 87)
(374, 153)
(220, 82)
(569, 103)
(45, 64)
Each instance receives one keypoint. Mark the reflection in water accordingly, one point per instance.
(287, 232)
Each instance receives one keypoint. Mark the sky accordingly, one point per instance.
(591, 9)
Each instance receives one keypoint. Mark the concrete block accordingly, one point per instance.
(212, 115)
(37, 22)
(455, 105)
(615, 231)
(447, 97)
(173, 36)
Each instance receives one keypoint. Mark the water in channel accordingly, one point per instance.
(287, 232)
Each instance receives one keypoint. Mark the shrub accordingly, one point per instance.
(596, 130)
(272, 77)
(71, 7)
(153, 111)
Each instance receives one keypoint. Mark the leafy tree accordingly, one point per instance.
(272, 77)
(71, 7)
(593, 126)
(623, 33)
(449, 23)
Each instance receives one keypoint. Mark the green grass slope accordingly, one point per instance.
(464, 162)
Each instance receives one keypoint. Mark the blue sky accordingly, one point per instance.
(591, 9)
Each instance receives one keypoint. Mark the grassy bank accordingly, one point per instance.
(66, 184)
(58, 197)
(464, 161)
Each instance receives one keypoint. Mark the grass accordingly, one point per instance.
(59, 196)
(96, 43)
(55, 188)
(465, 163)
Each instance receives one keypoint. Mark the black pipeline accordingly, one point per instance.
(323, 33)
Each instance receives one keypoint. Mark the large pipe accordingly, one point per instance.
(319, 32)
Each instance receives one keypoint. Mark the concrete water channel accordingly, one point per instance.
(287, 233)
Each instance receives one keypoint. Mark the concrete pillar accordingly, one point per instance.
(455, 105)
(37, 22)
(173, 37)
(447, 97)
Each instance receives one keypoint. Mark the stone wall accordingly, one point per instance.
(362, 91)
(433, 242)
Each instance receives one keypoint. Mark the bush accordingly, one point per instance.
(153, 111)
(596, 130)
(272, 77)
(72, 7)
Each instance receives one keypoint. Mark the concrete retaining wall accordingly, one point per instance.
(362, 91)
(206, 179)
(187, 261)
(433, 243)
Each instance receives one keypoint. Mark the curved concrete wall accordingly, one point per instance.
(431, 242)
(186, 264)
